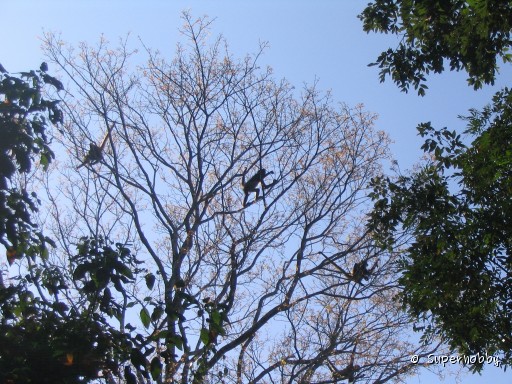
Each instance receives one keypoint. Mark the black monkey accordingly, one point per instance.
(94, 156)
(348, 373)
(361, 272)
(252, 184)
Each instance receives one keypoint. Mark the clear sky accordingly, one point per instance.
(309, 40)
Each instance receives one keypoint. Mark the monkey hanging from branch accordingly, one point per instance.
(252, 184)
(95, 154)
(348, 373)
(361, 272)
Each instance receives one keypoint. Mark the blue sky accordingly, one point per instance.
(308, 40)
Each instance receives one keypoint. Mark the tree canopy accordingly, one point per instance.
(39, 337)
(457, 207)
(24, 118)
(462, 35)
(164, 269)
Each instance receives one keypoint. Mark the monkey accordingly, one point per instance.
(361, 272)
(95, 154)
(252, 184)
(348, 373)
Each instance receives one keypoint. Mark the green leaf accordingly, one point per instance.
(53, 81)
(44, 253)
(176, 341)
(129, 376)
(204, 336)
(145, 317)
(155, 368)
(103, 277)
(216, 317)
(157, 313)
(44, 161)
(137, 358)
(125, 271)
(150, 280)
(80, 271)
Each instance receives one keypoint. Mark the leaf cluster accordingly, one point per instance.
(46, 342)
(24, 118)
(77, 341)
(462, 35)
(458, 209)
(98, 267)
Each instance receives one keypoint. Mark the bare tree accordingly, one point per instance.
(263, 292)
